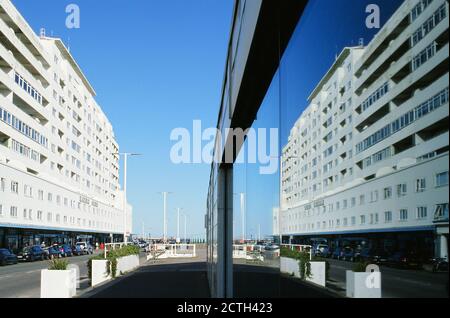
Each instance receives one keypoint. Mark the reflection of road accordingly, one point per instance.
(396, 283)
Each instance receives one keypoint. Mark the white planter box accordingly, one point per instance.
(289, 266)
(58, 284)
(99, 272)
(318, 270)
(318, 273)
(127, 264)
(363, 285)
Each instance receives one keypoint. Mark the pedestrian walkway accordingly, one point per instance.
(186, 279)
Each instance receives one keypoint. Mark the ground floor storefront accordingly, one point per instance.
(17, 238)
(428, 242)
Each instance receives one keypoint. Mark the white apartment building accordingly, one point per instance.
(369, 156)
(59, 168)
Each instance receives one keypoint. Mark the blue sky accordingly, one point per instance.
(155, 65)
(158, 65)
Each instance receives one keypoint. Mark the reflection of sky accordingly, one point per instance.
(327, 26)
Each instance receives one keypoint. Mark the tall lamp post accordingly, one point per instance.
(185, 227)
(165, 194)
(178, 224)
(125, 157)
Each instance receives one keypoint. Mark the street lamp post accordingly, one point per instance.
(178, 224)
(185, 226)
(125, 157)
(165, 214)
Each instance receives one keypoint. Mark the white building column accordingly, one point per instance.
(443, 246)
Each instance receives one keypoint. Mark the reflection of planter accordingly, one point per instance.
(363, 284)
(58, 284)
(99, 273)
(126, 264)
(291, 267)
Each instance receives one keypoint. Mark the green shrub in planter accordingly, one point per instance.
(58, 265)
(303, 259)
(360, 267)
(112, 256)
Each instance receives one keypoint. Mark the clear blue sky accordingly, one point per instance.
(155, 65)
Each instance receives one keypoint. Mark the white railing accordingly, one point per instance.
(300, 248)
(248, 251)
(158, 251)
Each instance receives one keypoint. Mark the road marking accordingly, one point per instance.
(6, 276)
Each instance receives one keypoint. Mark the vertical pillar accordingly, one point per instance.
(224, 278)
(443, 242)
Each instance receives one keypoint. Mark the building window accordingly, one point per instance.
(353, 220)
(15, 187)
(401, 189)
(353, 201)
(388, 217)
(39, 215)
(403, 215)
(422, 212)
(41, 195)
(374, 196)
(2, 184)
(1, 210)
(13, 211)
(387, 193)
(420, 185)
(362, 219)
(405, 120)
(441, 213)
(362, 199)
(442, 179)
(27, 191)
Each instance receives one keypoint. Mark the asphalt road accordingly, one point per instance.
(23, 279)
(395, 282)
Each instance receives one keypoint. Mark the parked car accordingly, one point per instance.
(86, 248)
(142, 244)
(6, 257)
(439, 264)
(405, 259)
(77, 250)
(350, 254)
(338, 253)
(66, 250)
(53, 252)
(31, 254)
(271, 247)
(376, 256)
(321, 250)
